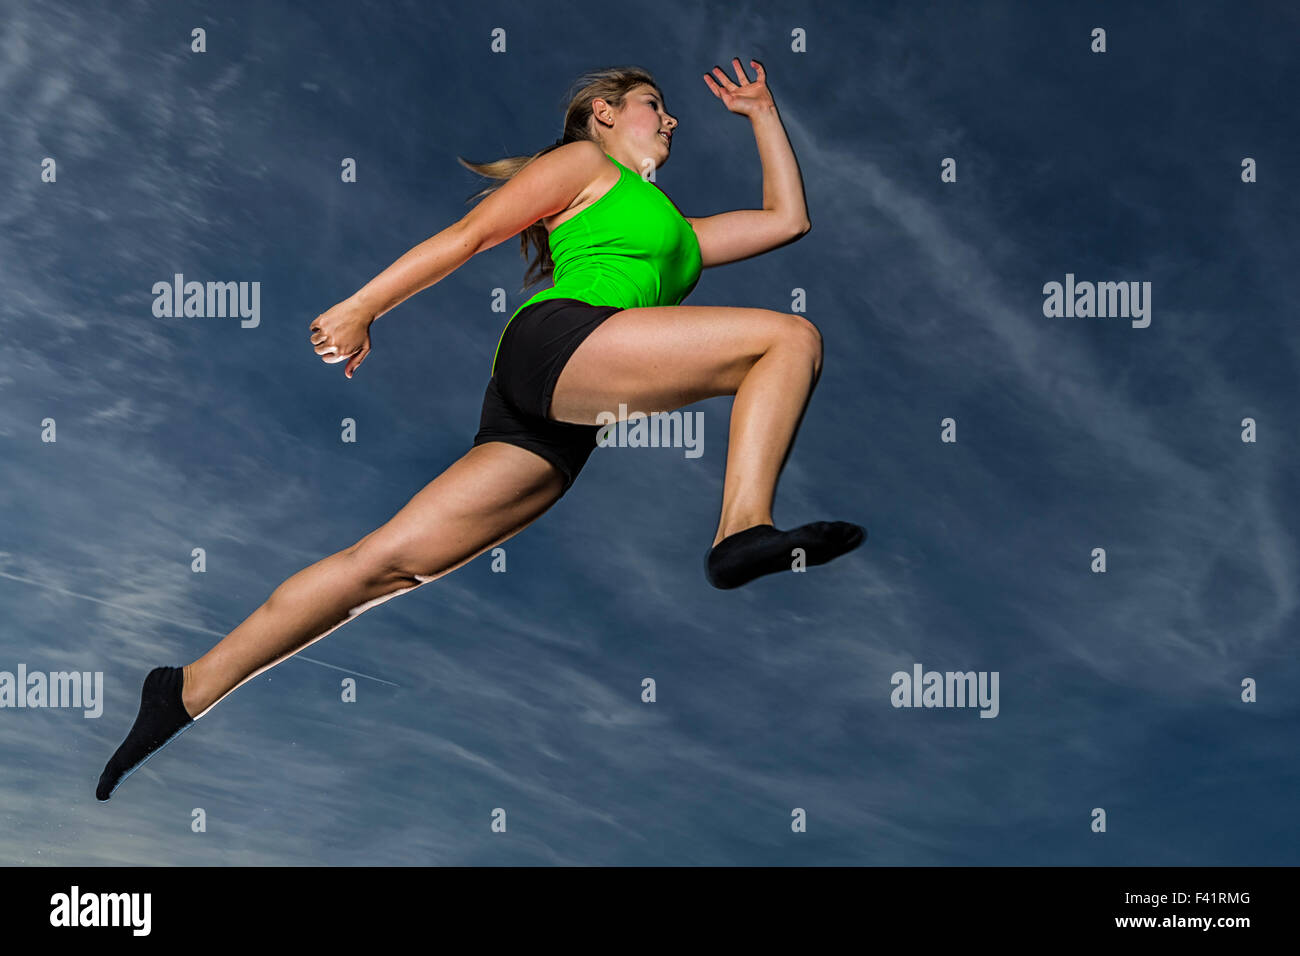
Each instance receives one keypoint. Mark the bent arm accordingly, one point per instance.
(731, 236)
(542, 188)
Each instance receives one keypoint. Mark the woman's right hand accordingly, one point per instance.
(343, 333)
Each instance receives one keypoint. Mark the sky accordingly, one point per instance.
(1119, 691)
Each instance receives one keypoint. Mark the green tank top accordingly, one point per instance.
(630, 248)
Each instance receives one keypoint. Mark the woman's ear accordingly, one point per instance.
(602, 111)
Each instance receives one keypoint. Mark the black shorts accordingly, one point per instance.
(516, 408)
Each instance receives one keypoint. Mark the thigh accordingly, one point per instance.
(660, 358)
(488, 495)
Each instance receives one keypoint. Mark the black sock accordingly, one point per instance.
(739, 558)
(162, 717)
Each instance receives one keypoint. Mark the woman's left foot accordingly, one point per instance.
(161, 718)
(739, 558)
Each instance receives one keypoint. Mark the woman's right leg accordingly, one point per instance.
(657, 359)
(490, 494)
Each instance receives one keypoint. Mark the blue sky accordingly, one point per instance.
(522, 690)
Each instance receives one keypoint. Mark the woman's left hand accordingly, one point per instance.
(747, 98)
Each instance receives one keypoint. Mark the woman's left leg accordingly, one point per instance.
(490, 494)
(493, 492)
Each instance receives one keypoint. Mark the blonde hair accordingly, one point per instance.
(611, 85)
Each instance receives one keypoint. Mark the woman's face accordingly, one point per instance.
(645, 125)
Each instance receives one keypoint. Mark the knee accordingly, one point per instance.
(801, 334)
(383, 567)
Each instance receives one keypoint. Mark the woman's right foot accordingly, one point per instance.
(162, 718)
(739, 558)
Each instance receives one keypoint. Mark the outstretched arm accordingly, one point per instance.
(545, 186)
(731, 236)
(542, 188)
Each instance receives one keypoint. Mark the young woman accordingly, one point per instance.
(611, 331)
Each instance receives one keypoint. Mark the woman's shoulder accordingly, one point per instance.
(605, 174)
(584, 149)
